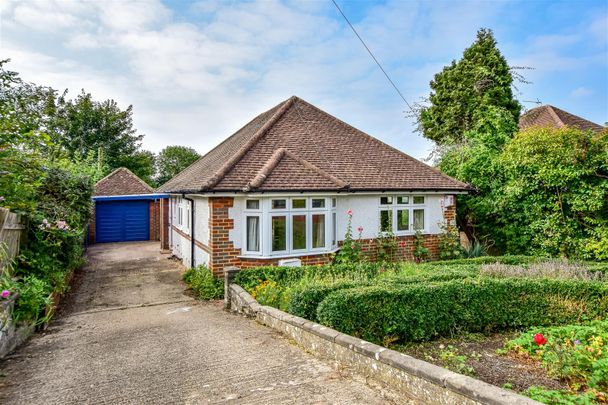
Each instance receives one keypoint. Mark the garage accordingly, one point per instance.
(126, 209)
(122, 221)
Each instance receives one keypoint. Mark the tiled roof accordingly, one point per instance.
(122, 181)
(296, 146)
(547, 115)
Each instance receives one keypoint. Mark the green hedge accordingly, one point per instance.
(305, 300)
(507, 259)
(250, 278)
(422, 312)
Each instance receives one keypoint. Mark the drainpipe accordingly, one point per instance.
(192, 245)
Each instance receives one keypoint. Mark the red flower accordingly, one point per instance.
(539, 339)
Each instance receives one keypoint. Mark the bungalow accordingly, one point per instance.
(284, 188)
(549, 116)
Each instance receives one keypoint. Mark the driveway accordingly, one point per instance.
(130, 332)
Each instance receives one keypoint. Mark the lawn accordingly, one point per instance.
(536, 326)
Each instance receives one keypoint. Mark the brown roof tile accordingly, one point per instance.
(121, 181)
(547, 115)
(296, 146)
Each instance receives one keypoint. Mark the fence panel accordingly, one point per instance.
(11, 231)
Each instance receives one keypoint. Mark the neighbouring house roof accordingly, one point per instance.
(121, 181)
(295, 146)
(547, 115)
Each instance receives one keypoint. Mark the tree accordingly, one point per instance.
(172, 160)
(476, 86)
(83, 125)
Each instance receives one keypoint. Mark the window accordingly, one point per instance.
(418, 219)
(180, 217)
(279, 233)
(188, 217)
(398, 216)
(334, 202)
(386, 221)
(403, 200)
(318, 202)
(298, 232)
(253, 233)
(253, 204)
(318, 231)
(386, 200)
(279, 204)
(334, 228)
(297, 203)
(403, 220)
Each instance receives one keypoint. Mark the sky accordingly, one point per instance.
(196, 71)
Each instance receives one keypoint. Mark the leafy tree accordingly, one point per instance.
(555, 196)
(172, 160)
(83, 125)
(476, 86)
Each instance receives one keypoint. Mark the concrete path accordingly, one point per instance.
(129, 332)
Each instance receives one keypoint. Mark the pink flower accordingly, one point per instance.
(349, 213)
(360, 229)
(1, 198)
(5, 294)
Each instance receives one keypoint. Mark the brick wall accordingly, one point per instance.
(223, 252)
(92, 226)
(164, 224)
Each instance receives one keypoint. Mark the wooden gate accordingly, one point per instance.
(11, 230)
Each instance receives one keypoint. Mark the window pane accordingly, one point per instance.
(403, 220)
(279, 204)
(403, 200)
(298, 231)
(386, 221)
(279, 233)
(298, 203)
(418, 199)
(386, 200)
(418, 219)
(253, 204)
(333, 202)
(253, 234)
(318, 202)
(318, 231)
(334, 229)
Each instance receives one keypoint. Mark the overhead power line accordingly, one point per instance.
(372, 55)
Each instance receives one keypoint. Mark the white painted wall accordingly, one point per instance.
(181, 246)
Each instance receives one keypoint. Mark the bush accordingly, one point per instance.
(548, 269)
(304, 300)
(574, 353)
(202, 281)
(422, 312)
(285, 276)
(507, 259)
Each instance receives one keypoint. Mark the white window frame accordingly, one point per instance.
(265, 213)
(410, 206)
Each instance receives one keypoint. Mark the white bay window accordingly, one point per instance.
(289, 226)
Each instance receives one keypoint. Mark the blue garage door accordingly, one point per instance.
(121, 221)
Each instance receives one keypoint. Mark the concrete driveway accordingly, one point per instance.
(130, 332)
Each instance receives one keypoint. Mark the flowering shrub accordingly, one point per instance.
(350, 252)
(577, 354)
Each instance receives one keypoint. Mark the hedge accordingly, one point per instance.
(283, 276)
(422, 312)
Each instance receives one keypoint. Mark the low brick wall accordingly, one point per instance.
(418, 380)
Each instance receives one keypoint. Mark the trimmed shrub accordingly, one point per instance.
(305, 300)
(507, 259)
(202, 281)
(422, 312)
(284, 276)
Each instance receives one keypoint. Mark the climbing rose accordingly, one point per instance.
(360, 229)
(539, 339)
(349, 213)
(5, 293)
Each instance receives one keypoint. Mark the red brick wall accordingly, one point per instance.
(92, 227)
(164, 224)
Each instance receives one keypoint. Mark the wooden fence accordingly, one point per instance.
(11, 232)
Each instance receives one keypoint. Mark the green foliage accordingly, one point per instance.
(272, 294)
(449, 243)
(350, 251)
(555, 196)
(33, 296)
(305, 299)
(202, 281)
(577, 354)
(426, 311)
(468, 94)
(561, 397)
(386, 244)
(421, 253)
(477, 249)
(172, 160)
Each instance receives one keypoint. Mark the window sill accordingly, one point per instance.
(289, 255)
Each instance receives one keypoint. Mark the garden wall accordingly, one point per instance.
(416, 379)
